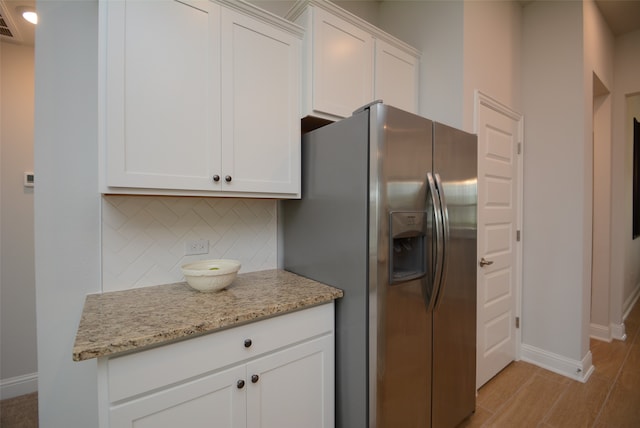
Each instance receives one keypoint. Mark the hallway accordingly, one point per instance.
(525, 395)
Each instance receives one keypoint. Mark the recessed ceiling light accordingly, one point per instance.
(28, 13)
(30, 16)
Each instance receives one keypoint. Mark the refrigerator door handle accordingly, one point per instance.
(445, 241)
(439, 250)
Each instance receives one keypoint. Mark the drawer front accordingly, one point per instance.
(144, 371)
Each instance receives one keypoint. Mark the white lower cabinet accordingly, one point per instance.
(273, 373)
(210, 401)
(290, 388)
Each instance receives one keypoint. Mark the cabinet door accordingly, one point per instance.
(162, 126)
(342, 65)
(396, 77)
(261, 117)
(294, 388)
(212, 401)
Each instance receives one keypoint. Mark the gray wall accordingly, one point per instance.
(18, 358)
(556, 163)
(436, 29)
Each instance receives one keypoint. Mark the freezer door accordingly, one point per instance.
(399, 323)
(454, 317)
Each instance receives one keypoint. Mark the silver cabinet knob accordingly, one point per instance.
(216, 178)
(484, 262)
(227, 178)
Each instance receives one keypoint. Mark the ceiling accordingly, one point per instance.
(12, 27)
(622, 16)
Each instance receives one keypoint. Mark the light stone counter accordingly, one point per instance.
(132, 320)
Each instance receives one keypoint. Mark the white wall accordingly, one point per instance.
(18, 355)
(67, 205)
(492, 54)
(365, 9)
(466, 46)
(436, 29)
(557, 160)
(600, 278)
(369, 10)
(598, 73)
(625, 257)
(277, 7)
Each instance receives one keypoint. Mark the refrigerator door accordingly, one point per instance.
(454, 317)
(399, 323)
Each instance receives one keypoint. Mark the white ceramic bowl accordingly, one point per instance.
(211, 275)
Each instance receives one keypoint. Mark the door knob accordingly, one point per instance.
(484, 262)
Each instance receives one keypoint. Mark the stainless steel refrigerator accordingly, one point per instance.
(388, 214)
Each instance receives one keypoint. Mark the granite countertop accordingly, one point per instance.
(130, 320)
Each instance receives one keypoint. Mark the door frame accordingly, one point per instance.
(482, 99)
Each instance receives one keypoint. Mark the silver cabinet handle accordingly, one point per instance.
(484, 262)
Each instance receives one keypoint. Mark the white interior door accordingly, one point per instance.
(499, 194)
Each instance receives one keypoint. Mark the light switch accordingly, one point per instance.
(28, 179)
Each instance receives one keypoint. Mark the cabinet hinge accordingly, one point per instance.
(518, 235)
(519, 148)
(517, 322)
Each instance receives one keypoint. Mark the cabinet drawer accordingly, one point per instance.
(144, 371)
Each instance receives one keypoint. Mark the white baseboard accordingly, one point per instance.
(18, 385)
(618, 331)
(629, 302)
(574, 369)
(600, 332)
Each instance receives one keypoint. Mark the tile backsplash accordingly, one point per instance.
(143, 237)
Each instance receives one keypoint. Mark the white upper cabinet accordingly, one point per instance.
(342, 57)
(199, 98)
(397, 77)
(162, 124)
(349, 63)
(261, 99)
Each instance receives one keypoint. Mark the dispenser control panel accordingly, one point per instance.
(407, 255)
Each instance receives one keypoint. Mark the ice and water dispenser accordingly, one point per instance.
(407, 258)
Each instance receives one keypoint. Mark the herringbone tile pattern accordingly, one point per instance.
(143, 237)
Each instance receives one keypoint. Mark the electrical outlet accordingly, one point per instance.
(196, 246)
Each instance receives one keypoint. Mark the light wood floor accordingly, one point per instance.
(523, 395)
(19, 412)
